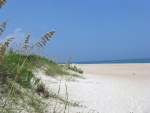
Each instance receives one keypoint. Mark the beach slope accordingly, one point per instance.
(107, 88)
(116, 88)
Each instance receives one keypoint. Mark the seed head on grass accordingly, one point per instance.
(3, 48)
(25, 47)
(26, 41)
(2, 2)
(3, 26)
(44, 39)
(68, 62)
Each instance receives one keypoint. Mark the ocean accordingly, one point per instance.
(145, 60)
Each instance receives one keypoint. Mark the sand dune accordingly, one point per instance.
(110, 88)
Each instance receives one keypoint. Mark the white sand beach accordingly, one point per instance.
(109, 88)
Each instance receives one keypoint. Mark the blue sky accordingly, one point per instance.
(89, 29)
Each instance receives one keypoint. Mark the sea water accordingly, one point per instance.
(145, 60)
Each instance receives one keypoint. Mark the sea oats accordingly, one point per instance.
(3, 48)
(3, 26)
(68, 62)
(2, 2)
(43, 40)
(26, 41)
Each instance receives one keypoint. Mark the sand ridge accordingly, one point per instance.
(109, 88)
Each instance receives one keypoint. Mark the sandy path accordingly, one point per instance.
(110, 88)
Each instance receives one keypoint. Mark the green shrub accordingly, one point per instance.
(74, 68)
(24, 77)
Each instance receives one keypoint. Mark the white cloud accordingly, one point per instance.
(19, 36)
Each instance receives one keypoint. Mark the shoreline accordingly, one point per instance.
(108, 63)
(143, 60)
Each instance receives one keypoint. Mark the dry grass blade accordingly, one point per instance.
(68, 62)
(66, 99)
(2, 2)
(40, 45)
(44, 39)
(6, 44)
(26, 41)
(43, 43)
(1, 51)
(3, 48)
(47, 37)
(12, 86)
(1, 31)
(3, 26)
(58, 94)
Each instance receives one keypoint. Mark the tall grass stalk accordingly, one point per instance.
(11, 89)
(66, 98)
(54, 111)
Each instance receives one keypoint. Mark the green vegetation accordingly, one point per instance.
(74, 68)
(12, 64)
(16, 75)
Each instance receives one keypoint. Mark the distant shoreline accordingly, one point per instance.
(126, 61)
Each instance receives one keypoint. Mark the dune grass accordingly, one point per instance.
(16, 73)
(11, 65)
(74, 68)
(12, 62)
